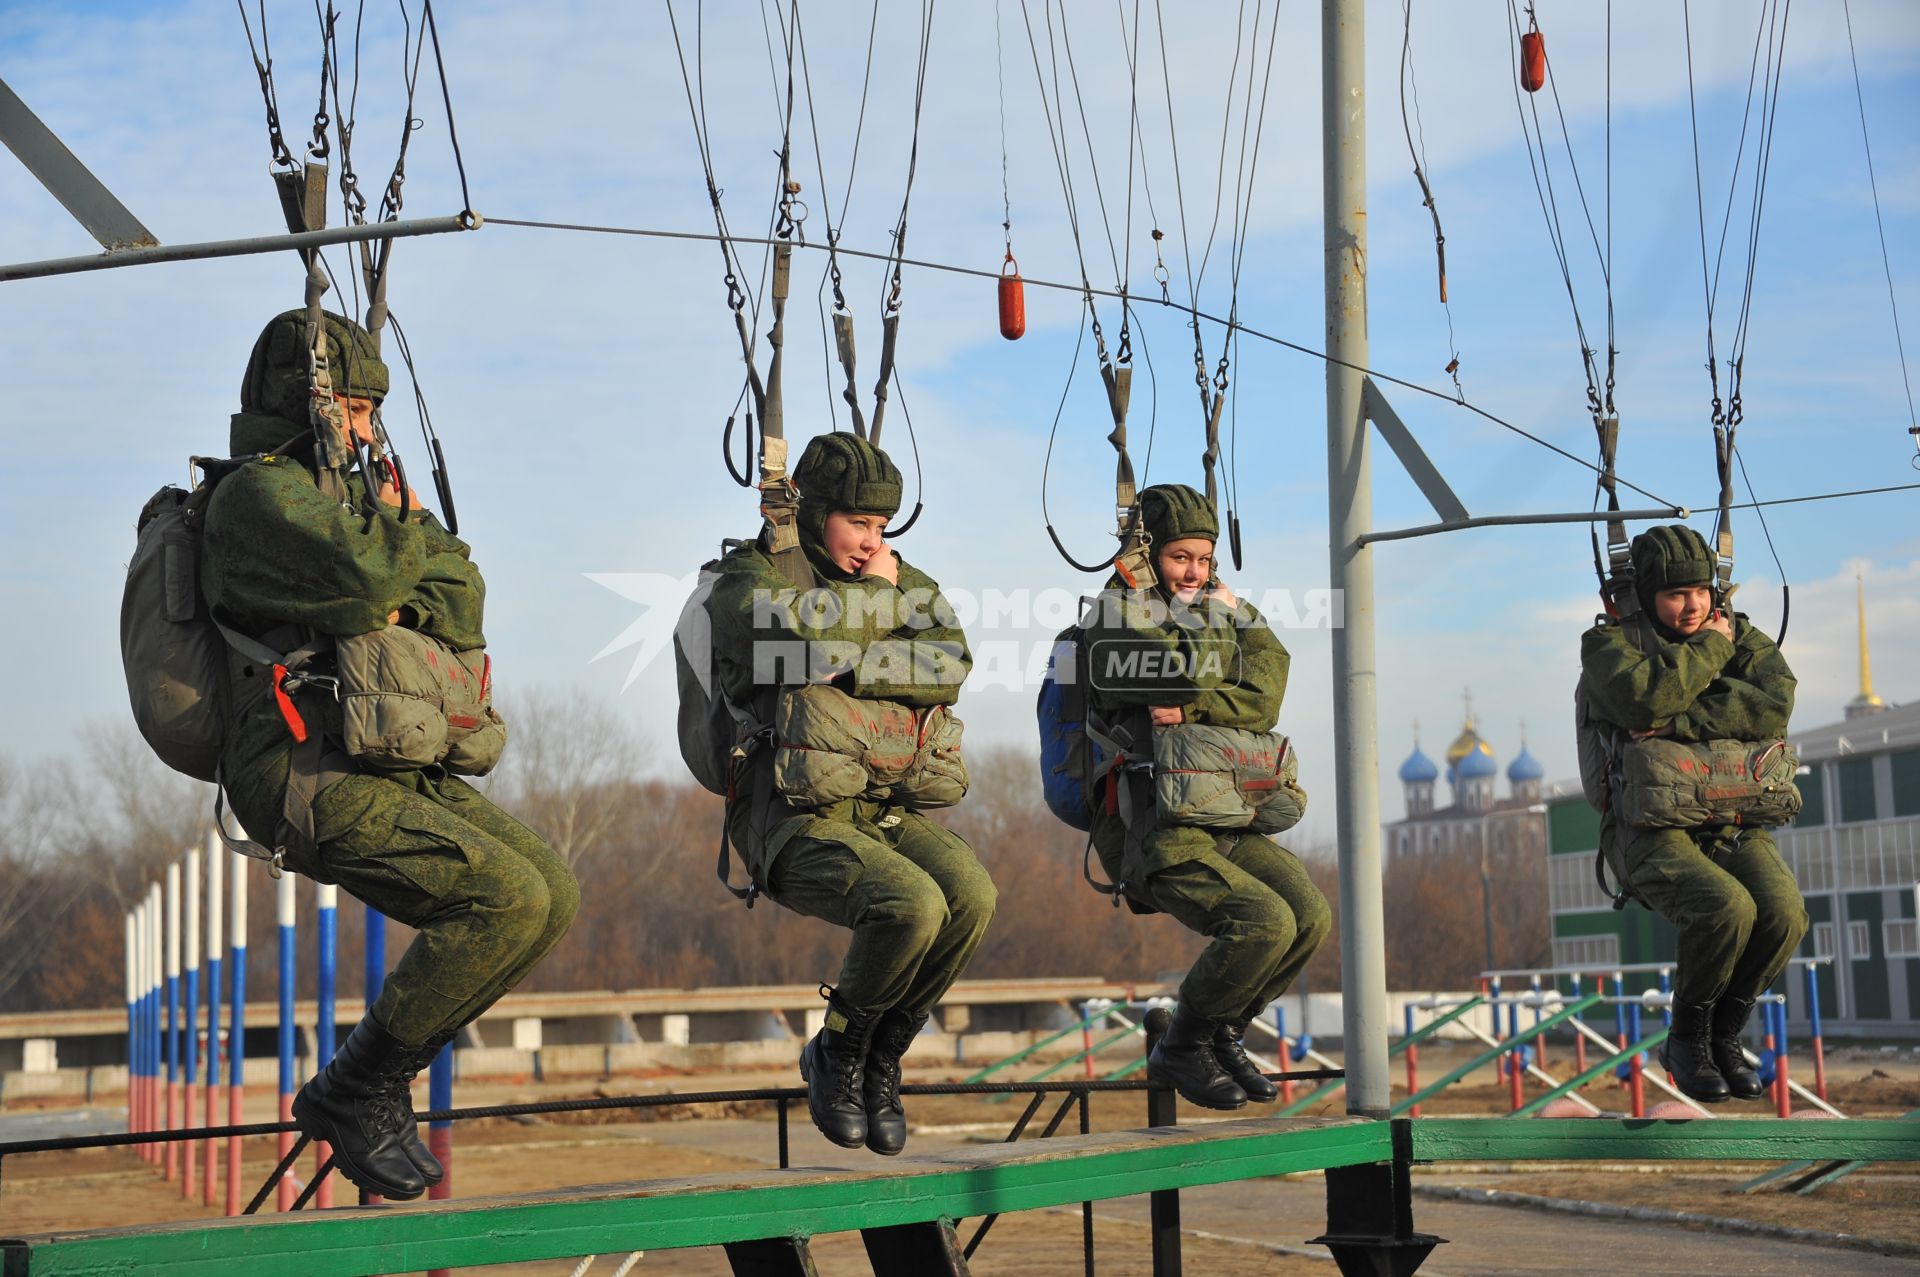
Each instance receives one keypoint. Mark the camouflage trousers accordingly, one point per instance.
(1250, 896)
(913, 894)
(487, 895)
(1739, 912)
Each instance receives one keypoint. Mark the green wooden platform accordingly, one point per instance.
(802, 1202)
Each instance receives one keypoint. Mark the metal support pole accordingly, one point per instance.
(1350, 513)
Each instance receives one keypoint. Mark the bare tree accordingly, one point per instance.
(570, 770)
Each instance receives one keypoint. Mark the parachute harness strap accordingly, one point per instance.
(890, 315)
(779, 499)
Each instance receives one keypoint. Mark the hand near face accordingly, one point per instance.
(1720, 623)
(883, 564)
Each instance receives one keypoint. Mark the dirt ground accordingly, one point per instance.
(100, 1188)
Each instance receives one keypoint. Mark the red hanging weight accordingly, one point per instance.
(1013, 301)
(1533, 61)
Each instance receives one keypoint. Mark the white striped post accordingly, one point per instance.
(173, 1015)
(157, 1026)
(190, 894)
(216, 945)
(131, 948)
(237, 1028)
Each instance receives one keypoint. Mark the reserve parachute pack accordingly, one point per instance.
(410, 701)
(830, 747)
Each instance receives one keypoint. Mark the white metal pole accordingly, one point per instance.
(1350, 513)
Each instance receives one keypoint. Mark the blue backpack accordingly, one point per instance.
(1071, 762)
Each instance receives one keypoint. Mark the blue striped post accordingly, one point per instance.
(376, 955)
(193, 977)
(1540, 1043)
(173, 1015)
(285, 906)
(440, 1134)
(374, 975)
(326, 935)
(216, 945)
(1813, 1031)
(156, 1029)
(237, 1030)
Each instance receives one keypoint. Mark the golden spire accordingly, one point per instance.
(1866, 702)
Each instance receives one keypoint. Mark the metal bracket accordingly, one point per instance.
(915, 1250)
(771, 1257)
(1370, 1215)
(1418, 465)
(47, 158)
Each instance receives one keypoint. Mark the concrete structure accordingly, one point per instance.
(580, 1033)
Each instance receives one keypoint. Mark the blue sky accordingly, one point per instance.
(580, 382)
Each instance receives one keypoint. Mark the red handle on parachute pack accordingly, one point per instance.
(1533, 61)
(1013, 301)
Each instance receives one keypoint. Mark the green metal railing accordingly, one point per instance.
(1421, 1034)
(1575, 1083)
(1488, 1056)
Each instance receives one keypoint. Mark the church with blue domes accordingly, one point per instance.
(1475, 816)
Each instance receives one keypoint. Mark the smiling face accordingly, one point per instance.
(1683, 609)
(851, 539)
(1185, 566)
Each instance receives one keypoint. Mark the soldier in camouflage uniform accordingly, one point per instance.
(1726, 890)
(913, 894)
(487, 895)
(1250, 896)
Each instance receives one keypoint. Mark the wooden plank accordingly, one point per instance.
(710, 1210)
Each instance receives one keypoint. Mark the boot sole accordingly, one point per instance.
(322, 1130)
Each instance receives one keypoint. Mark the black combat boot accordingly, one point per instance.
(833, 1065)
(1729, 1055)
(349, 1104)
(408, 1128)
(1184, 1060)
(886, 1118)
(1230, 1048)
(1688, 1053)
